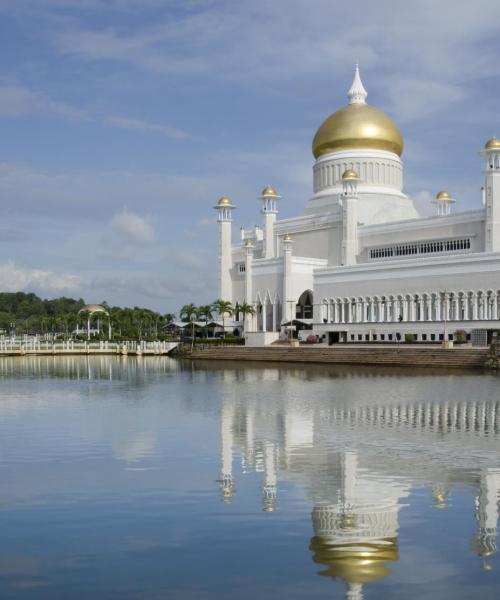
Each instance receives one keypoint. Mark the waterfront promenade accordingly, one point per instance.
(355, 354)
(9, 347)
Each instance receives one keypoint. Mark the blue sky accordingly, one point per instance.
(123, 121)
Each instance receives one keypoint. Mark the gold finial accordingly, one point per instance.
(269, 192)
(492, 144)
(224, 202)
(350, 174)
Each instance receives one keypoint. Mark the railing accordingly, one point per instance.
(34, 344)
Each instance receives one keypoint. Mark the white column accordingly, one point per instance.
(492, 198)
(250, 319)
(288, 300)
(349, 218)
(474, 301)
(413, 307)
(224, 208)
(438, 307)
(494, 308)
(269, 211)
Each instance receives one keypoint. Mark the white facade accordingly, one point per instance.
(360, 264)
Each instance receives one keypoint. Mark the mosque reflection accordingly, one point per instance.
(358, 462)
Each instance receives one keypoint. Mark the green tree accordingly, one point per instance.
(189, 314)
(246, 310)
(205, 312)
(223, 308)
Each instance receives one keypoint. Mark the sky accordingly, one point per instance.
(123, 122)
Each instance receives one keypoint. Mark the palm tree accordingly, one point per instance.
(223, 307)
(205, 311)
(188, 313)
(246, 310)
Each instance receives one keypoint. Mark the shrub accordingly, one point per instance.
(410, 337)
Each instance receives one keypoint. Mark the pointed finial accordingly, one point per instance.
(357, 94)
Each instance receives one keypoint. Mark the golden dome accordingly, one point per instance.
(443, 195)
(224, 201)
(350, 174)
(93, 308)
(360, 126)
(269, 192)
(360, 562)
(492, 144)
(287, 238)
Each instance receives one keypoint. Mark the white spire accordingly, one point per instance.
(357, 94)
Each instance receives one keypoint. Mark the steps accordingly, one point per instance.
(413, 356)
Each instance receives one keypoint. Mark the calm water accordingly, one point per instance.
(151, 478)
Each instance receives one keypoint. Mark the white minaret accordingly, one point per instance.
(269, 211)
(226, 452)
(250, 319)
(487, 513)
(349, 200)
(443, 202)
(492, 189)
(225, 207)
(269, 492)
(288, 300)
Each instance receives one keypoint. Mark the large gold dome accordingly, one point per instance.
(357, 126)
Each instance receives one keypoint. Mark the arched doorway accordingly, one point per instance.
(304, 306)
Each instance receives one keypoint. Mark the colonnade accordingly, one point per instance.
(268, 315)
(375, 172)
(428, 306)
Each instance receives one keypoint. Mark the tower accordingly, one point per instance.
(288, 300)
(349, 217)
(269, 211)
(491, 152)
(248, 281)
(225, 207)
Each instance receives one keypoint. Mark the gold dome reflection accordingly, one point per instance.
(355, 562)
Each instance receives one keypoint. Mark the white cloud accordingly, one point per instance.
(423, 203)
(134, 124)
(14, 278)
(19, 100)
(132, 227)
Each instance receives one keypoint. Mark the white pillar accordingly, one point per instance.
(288, 299)
(349, 217)
(269, 211)
(224, 207)
(474, 301)
(250, 319)
(491, 153)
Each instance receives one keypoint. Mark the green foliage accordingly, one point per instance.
(410, 337)
(22, 313)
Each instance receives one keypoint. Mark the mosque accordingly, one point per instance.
(360, 264)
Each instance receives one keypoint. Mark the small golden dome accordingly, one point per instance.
(269, 192)
(248, 243)
(224, 201)
(357, 126)
(93, 308)
(443, 195)
(350, 174)
(287, 238)
(494, 143)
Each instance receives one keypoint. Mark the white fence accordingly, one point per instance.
(35, 345)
